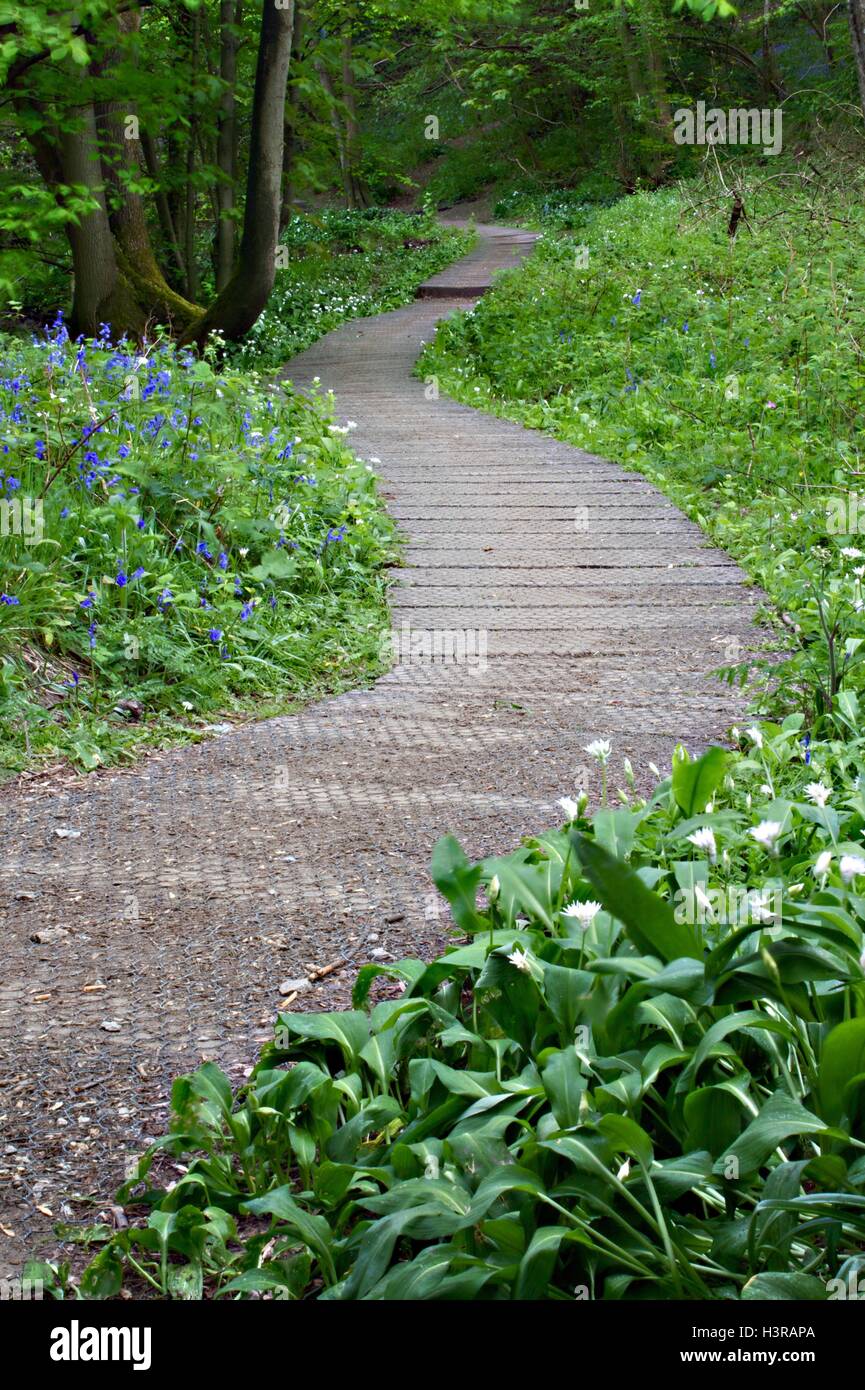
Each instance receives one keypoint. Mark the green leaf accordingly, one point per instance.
(781, 1118)
(566, 991)
(103, 1277)
(313, 1231)
(616, 830)
(349, 1030)
(694, 783)
(523, 888)
(648, 920)
(842, 1061)
(714, 1119)
(626, 1136)
(457, 880)
(785, 1287)
(564, 1084)
(186, 1282)
(539, 1262)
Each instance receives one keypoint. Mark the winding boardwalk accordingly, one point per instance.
(584, 606)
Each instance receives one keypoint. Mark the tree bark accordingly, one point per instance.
(651, 25)
(127, 217)
(230, 16)
(290, 139)
(338, 132)
(190, 199)
(352, 130)
(237, 307)
(856, 18)
(98, 293)
(163, 209)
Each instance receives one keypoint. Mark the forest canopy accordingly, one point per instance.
(151, 154)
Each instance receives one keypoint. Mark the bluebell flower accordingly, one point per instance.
(64, 514)
(88, 601)
(40, 448)
(9, 600)
(121, 579)
(215, 633)
(136, 574)
(141, 523)
(223, 560)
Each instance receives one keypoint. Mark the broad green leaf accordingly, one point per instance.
(714, 1119)
(458, 880)
(349, 1030)
(539, 1262)
(842, 1061)
(564, 1084)
(785, 1288)
(780, 1119)
(314, 1231)
(647, 919)
(694, 783)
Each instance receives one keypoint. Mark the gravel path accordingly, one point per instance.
(579, 604)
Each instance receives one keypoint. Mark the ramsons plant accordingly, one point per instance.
(594, 1093)
(174, 540)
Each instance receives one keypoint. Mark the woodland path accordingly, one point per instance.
(207, 875)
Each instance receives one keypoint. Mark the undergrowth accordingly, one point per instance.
(729, 370)
(177, 542)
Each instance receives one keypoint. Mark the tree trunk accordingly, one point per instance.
(238, 306)
(127, 218)
(230, 16)
(651, 25)
(163, 210)
(99, 294)
(856, 17)
(290, 140)
(772, 86)
(338, 131)
(190, 196)
(352, 130)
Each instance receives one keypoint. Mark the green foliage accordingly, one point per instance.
(600, 1095)
(184, 540)
(728, 370)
